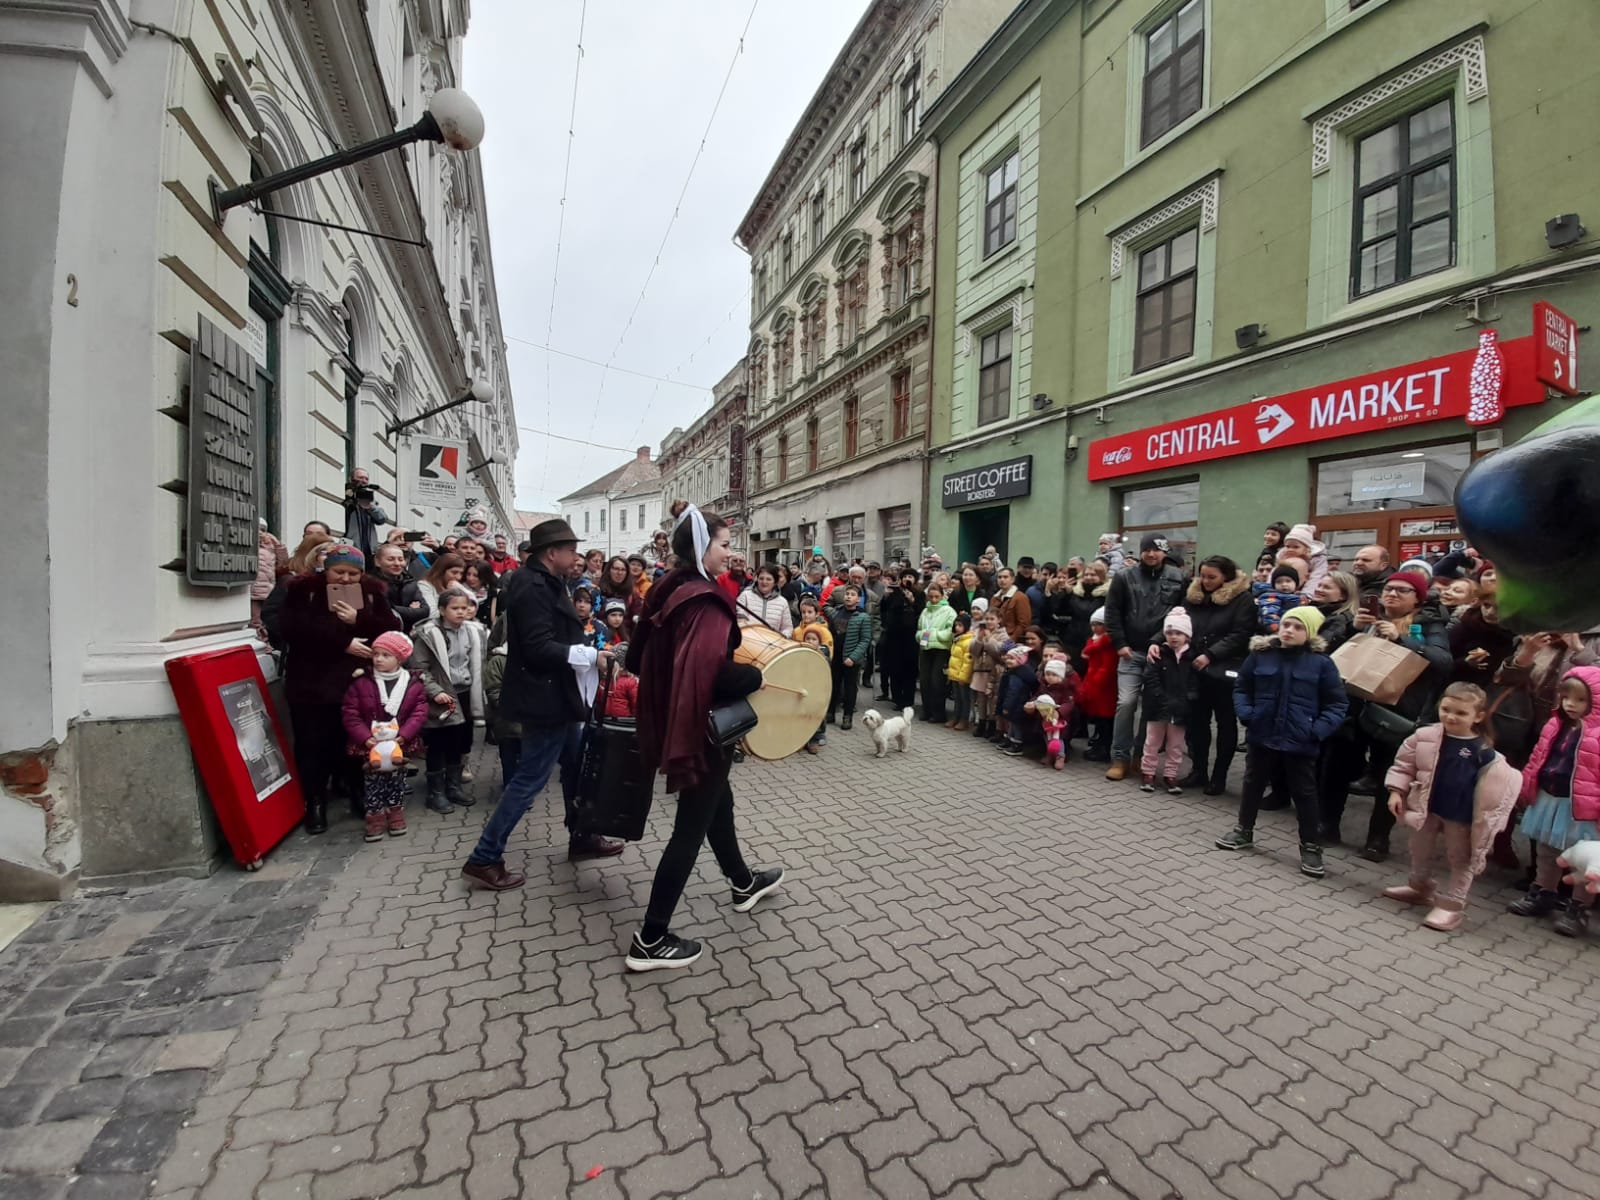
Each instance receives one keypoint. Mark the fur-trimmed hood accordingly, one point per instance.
(1099, 593)
(1271, 642)
(1226, 594)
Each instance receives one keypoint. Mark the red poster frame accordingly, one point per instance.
(223, 700)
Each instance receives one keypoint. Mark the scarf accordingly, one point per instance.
(702, 536)
(391, 690)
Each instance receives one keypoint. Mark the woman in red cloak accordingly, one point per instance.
(682, 652)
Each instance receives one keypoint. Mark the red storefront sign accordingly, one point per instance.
(1435, 389)
(1557, 337)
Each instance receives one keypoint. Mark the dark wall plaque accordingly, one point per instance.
(997, 481)
(223, 447)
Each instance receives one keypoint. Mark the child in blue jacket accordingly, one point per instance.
(1291, 699)
(1276, 598)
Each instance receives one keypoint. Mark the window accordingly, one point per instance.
(1355, 4)
(1164, 315)
(353, 375)
(788, 256)
(813, 444)
(905, 279)
(994, 376)
(1172, 511)
(858, 170)
(819, 219)
(855, 303)
(1000, 206)
(852, 407)
(910, 104)
(641, 516)
(900, 403)
(761, 289)
(602, 520)
(896, 533)
(1174, 67)
(622, 521)
(1405, 200)
(586, 520)
(1393, 479)
(760, 467)
(783, 458)
(847, 537)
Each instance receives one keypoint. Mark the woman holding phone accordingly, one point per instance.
(329, 620)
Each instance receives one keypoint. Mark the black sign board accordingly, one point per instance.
(997, 481)
(221, 547)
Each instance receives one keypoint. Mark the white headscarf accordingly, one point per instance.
(702, 536)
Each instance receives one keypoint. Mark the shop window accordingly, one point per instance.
(1165, 307)
(847, 538)
(1405, 200)
(1172, 510)
(1000, 205)
(900, 403)
(1394, 480)
(896, 533)
(1174, 72)
(994, 376)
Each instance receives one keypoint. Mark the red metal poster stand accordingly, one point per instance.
(239, 746)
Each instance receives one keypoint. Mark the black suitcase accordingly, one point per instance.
(614, 789)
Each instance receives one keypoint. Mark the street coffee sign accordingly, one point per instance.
(220, 547)
(1435, 389)
(997, 481)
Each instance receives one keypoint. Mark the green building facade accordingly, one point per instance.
(1203, 266)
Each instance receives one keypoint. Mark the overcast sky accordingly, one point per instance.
(650, 75)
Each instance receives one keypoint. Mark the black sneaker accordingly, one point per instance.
(1574, 922)
(1240, 839)
(668, 952)
(1311, 860)
(761, 883)
(1537, 903)
(1012, 750)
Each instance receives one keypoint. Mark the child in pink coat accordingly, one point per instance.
(1449, 783)
(389, 694)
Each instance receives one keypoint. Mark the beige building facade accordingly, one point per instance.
(706, 464)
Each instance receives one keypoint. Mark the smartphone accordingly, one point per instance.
(350, 593)
(415, 535)
(1372, 606)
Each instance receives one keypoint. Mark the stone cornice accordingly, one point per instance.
(93, 32)
(891, 348)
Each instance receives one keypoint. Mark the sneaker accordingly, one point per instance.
(1537, 903)
(1574, 922)
(668, 952)
(1149, 784)
(761, 883)
(1012, 749)
(1240, 839)
(1174, 788)
(376, 825)
(1118, 770)
(397, 822)
(1311, 860)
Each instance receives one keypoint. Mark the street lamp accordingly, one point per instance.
(497, 459)
(452, 118)
(479, 393)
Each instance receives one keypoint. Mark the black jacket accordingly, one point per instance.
(540, 689)
(1081, 602)
(403, 599)
(1224, 622)
(1337, 627)
(1373, 586)
(1139, 600)
(1170, 686)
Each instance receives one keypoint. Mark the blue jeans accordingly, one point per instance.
(1130, 679)
(540, 752)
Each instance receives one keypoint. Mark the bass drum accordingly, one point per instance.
(795, 699)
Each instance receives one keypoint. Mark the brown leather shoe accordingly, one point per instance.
(493, 876)
(592, 845)
(1118, 771)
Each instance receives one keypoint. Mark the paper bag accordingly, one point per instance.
(1374, 668)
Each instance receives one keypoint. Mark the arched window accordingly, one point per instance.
(353, 375)
(269, 294)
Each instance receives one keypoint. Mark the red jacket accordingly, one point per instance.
(732, 583)
(1097, 694)
(362, 707)
(622, 700)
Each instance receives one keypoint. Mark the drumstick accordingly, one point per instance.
(778, 687)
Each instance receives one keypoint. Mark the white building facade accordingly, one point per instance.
(117, 118)
(619, 512)
(839, 236)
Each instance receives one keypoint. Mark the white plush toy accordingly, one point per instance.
(386, 755)
(1582, 864)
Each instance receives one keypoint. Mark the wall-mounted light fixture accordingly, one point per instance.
(452, 118)
(479, 393)
(496, 459)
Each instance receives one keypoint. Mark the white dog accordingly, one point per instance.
(892, 729)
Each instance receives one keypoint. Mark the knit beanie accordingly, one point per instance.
(979, 605)
(1098, 616)
(1056, 669)
(1179, 620)
(395, 642)
(1415, 580)
(344, 552)
(1154, 541)
(1310, 617)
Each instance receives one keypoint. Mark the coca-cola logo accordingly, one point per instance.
(1120, 455)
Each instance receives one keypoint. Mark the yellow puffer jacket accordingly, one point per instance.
(960, 668)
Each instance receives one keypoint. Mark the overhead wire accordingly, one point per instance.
(561, 225)
(595, 362)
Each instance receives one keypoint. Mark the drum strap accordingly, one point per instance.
(756, 615)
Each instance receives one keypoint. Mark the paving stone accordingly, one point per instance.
(95, 1098)
(131, 1144)
(194, 1050)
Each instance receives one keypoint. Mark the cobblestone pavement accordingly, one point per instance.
(1049, 986)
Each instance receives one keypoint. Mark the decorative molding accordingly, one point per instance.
(1012, 304)
(1469, 57)
(1205, 198)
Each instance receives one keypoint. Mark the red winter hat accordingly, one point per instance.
(395, 642)
(1415, 580)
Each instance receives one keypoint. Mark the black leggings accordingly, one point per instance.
(933, 664)
(449, 744)
(705, 813)
(320, 748)
(1213, 701)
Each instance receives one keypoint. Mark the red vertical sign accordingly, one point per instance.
(1556, 344)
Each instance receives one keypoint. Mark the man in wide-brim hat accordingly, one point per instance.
(545, 647)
